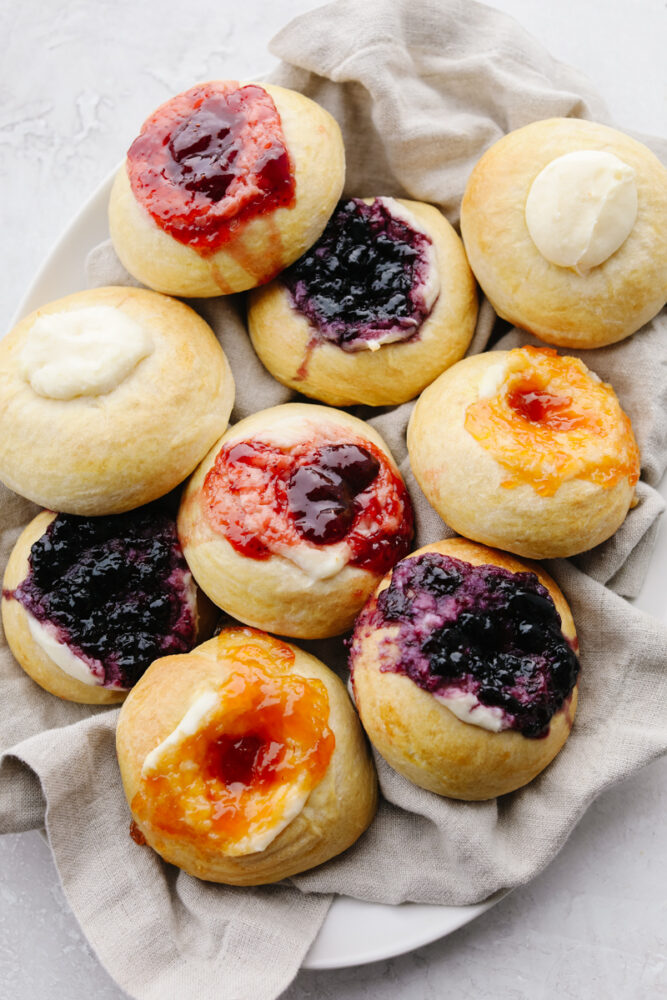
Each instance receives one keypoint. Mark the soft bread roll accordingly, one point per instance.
(258, 244)
(289, 344)
(34, 651)
(330, 807)
(418, 734)
(525, 450)
(270, 574)
(108, 399)
(567, 304)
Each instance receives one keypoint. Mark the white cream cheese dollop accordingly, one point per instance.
(61, 654)
(82, 352)
(581, 208)
(467, 708)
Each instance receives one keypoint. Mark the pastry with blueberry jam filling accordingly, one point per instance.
(293, 518)
(373, 312)
(225, 185)
(465, 671)
(244, 762)
(89, 603)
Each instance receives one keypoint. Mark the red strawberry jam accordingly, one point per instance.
(209, 160)
(478, 630)
(115, 590)
(264, 499)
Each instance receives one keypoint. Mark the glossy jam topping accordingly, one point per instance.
(551, 420)
(475, 630)
(209, 160)
(365, 282)
(252, 760)
(115, 590)
(268, 499)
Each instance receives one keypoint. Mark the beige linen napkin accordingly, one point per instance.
(420, 88)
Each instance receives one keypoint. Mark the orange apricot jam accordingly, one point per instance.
(551, 420)
(253, 758)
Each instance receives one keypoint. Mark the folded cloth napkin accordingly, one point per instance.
(420, 89)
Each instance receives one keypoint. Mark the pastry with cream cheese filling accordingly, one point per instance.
(243, 761)
(89, 603)
(225, 185)
(109, 399)
(526, 450)
(565, 226)
(464, 670)
(373, 312)
(292, 519)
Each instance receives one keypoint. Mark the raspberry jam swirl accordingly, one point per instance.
(245, 757)
(369, 279)
(551, 420)
(476, 634)
(268, 499)
(209, 160)
(115, 590)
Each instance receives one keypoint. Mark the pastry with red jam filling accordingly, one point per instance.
(109, 398)
(374, 311)
(293, 518)
(244, 762)
(526, 450)
(89, 603)
(225, 185)
(465, 671)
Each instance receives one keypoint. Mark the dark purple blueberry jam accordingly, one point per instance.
(321, 494)
(363, 279)
(114, 588)
(479, 630)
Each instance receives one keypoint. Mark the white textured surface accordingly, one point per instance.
(76, 80)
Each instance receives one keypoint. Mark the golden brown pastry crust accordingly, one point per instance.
(273, 594)
(425, 742)
(396, 372)
(112, 452)
(337, 811)
(556, 303)
(463, 481)
(31, 656)
(266, 243)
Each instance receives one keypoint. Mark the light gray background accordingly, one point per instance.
(77, 79)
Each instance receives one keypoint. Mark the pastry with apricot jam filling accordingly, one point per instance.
(293, 518)
(246, 773)
(527, 450)
(225, 185)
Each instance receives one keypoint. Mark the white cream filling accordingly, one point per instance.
(492, 380)
(82, 352)
(467, 708)
(287, 800)
(61, 654)
(581, 208)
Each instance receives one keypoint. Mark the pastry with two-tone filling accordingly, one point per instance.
(526, 450)
(225, 185)
(109, 398)
(293, 518)
(89, 603)
(565, 225)
(464, 669)
(374, 311)
(243, 761)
